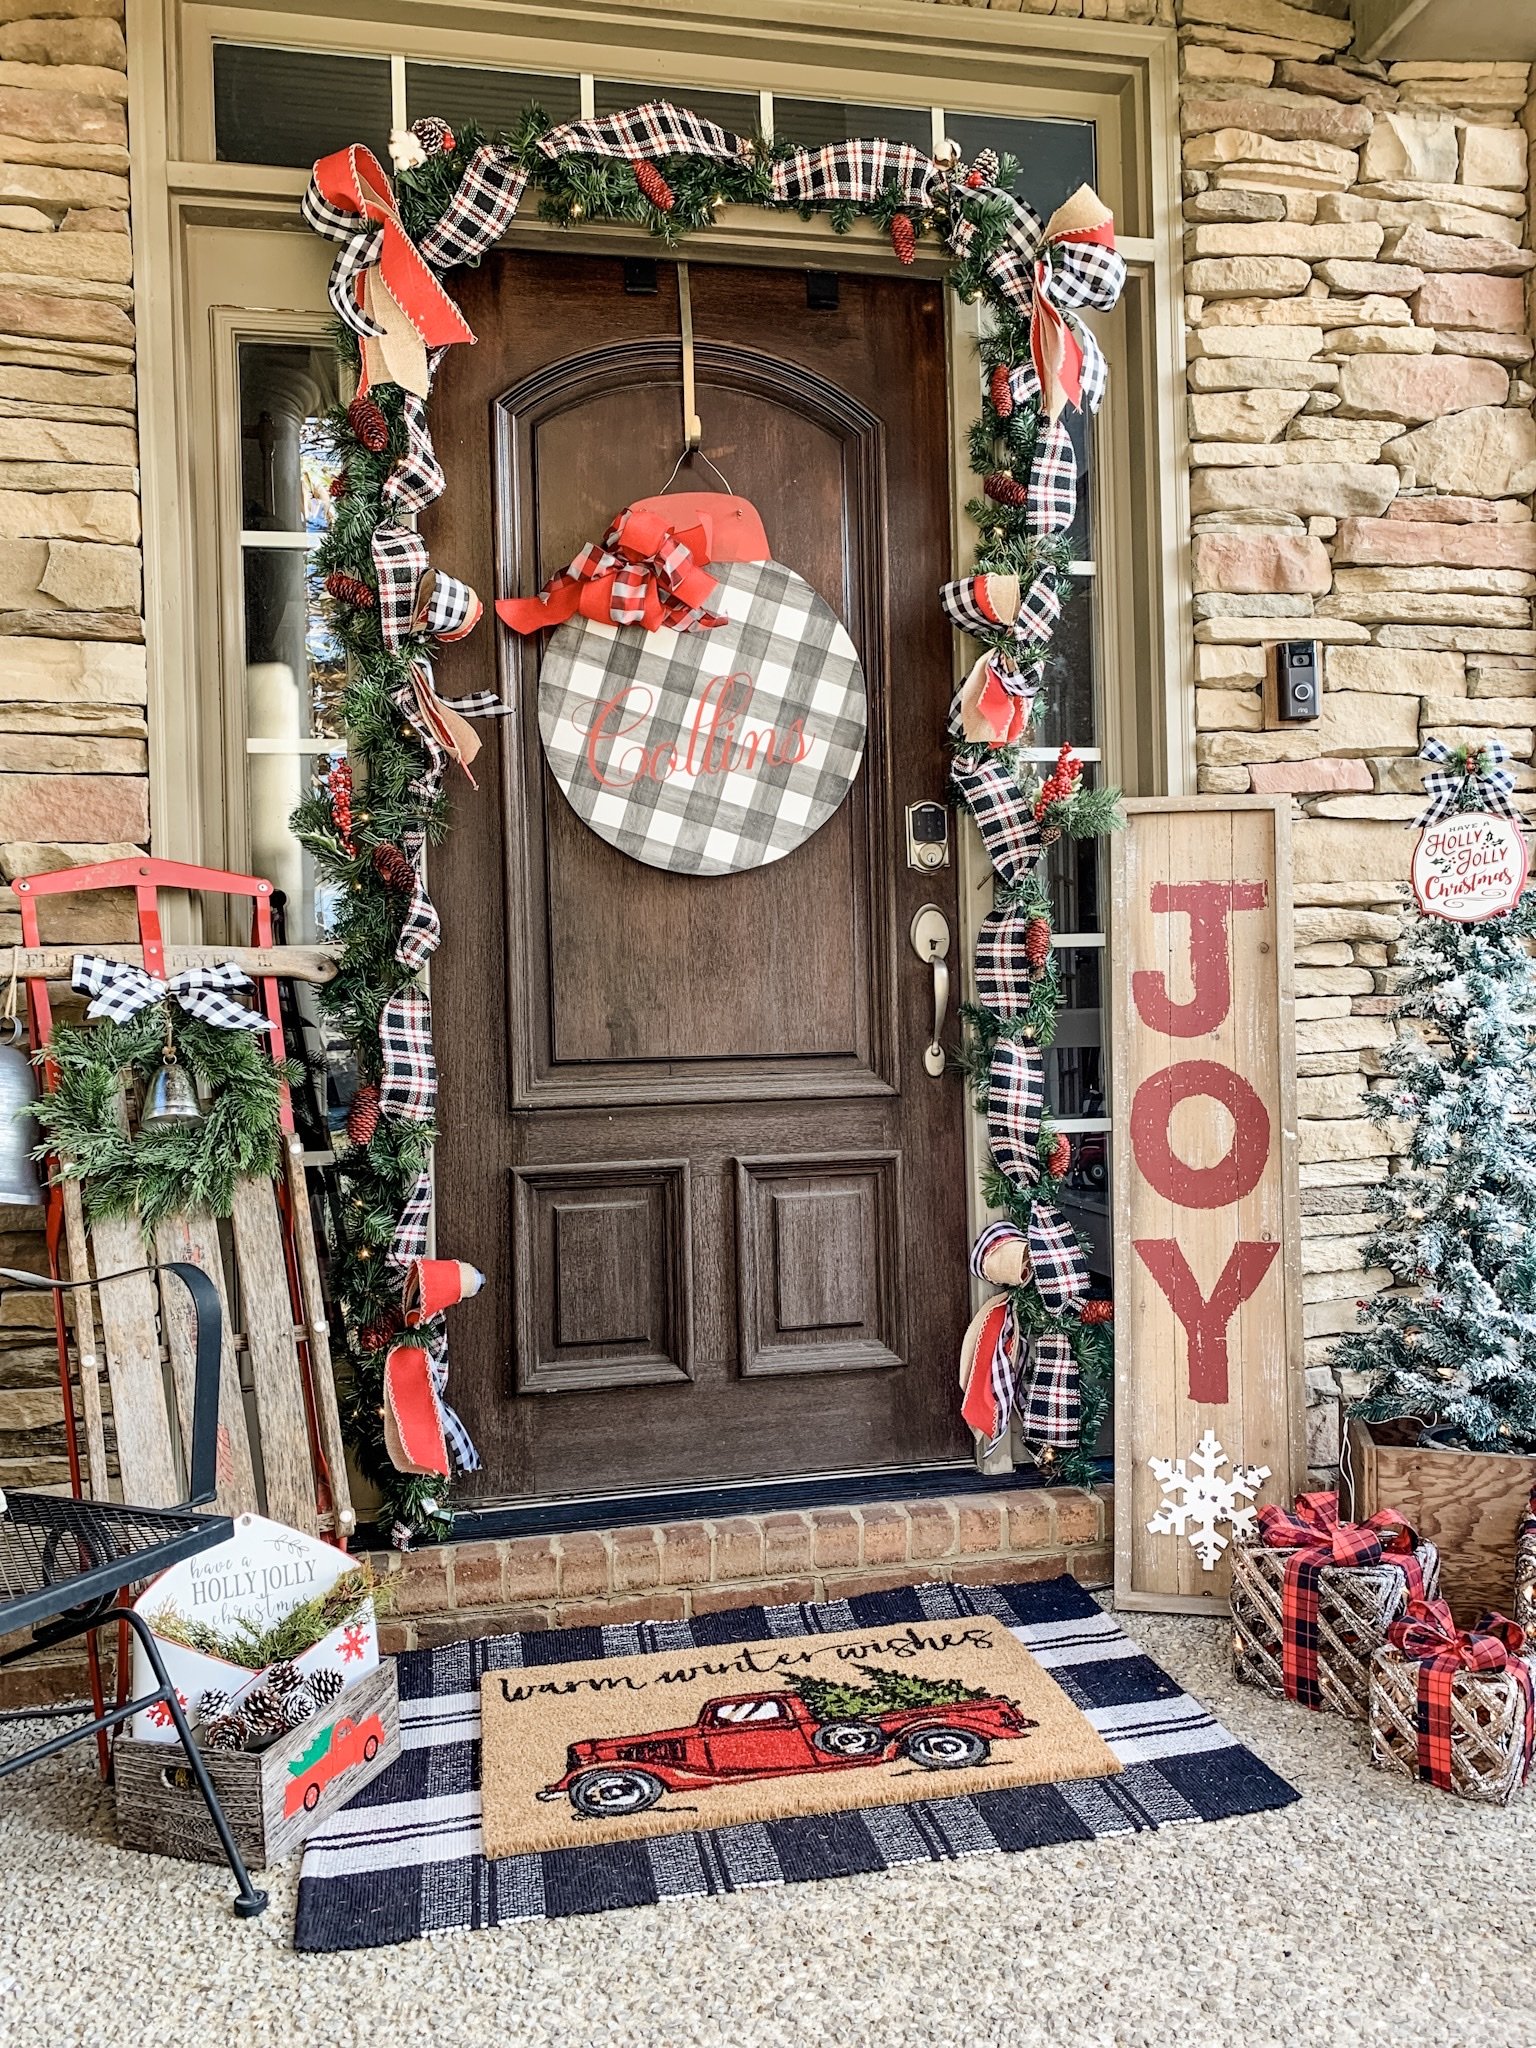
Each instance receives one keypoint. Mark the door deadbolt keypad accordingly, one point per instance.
(927, 837)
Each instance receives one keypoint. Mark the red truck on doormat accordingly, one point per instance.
(774, 1735)
(335, 1750)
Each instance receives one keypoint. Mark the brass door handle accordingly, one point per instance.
(930, 942)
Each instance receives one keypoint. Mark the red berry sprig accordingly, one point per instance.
(904, 239)
(1001, 392)
(1061, 785)
(1004, 489)
(655, 187)
(1096, 1312)
(369, 426)
(363, 1116)
(338, 787)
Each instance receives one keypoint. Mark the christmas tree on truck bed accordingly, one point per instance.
(1453, 1345)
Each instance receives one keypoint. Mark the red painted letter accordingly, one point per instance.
(1205, 1322)
(1199, 1187)
(1207, 905)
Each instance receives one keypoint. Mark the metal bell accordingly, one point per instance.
(18, 1129)
(172, 1098)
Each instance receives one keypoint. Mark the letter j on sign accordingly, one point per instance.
(1207, 1283)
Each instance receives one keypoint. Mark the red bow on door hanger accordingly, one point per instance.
(413, 1405)
(649, 569)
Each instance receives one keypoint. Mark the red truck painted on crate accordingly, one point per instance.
(774, 1735)
(351, 1742)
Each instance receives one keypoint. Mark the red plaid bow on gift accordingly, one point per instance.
(645, 573)
(1319, 1539)
(1429, 1636)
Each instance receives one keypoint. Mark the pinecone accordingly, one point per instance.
(1001, 392)
(350, 590)
(228, 1731)
(1060, 1159)
(284, 1677)
(324, 1686)
(1037, 942)
(213, 1705)
(434, 135)
(380, 1335)
(393, 866)
(299, 1706)
(904, 238)
(1004, 489)
(655, 187)
(337, 487)
(1096, 1312)
(368, 424)
(984, 170)
(363, 1116)
(263, 1714)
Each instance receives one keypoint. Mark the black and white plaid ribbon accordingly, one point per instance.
(455, 1435)
(857, 170)
(422, 709)
(993, 1237)
(416, 601)
(985, 605)
(479, 212)
(1052, 487)
(414, 1224)
(362, 242)
(408, 1086)
(1057, 1258)
(417, 479)
(1004, 977)
(1003, 815)
(1489, 787)
(120, 991)
(1051, 1410)
(657, 129)
(422, 931)
(1039, 610)
(1015, 1099)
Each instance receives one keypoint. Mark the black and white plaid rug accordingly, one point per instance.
(404, 1858)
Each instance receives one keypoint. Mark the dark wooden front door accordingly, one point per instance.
(688, 1134)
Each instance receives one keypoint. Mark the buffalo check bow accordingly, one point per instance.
(643, 573)
(1429, 1637)
(381, 287)
(1319, 1541)
(120, 991)
(1481, 775)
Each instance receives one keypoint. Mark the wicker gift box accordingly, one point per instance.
(1356, 1605)
(1488, 1734)
(272, 1797)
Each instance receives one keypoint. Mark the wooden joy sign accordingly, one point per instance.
(1207, 1291)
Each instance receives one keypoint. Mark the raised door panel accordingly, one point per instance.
(819, 1267)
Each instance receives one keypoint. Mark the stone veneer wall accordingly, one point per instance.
(73, 756)
(1363, 457)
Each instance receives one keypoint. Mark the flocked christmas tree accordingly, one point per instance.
(1453, 1344)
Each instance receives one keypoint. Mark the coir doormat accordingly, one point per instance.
(623, 1748)
(406, 1856)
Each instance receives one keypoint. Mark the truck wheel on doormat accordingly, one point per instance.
(946, 1749)
(847, 1738)
(610, 1795)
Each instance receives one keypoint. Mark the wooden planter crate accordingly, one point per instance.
(1467, 1503)
(1356, 1604)
(1487, 1727)
(269, 1807)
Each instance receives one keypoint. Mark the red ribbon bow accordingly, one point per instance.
(1429, 1636)
(1318, 1539)
(645, 573)
(1054, 349)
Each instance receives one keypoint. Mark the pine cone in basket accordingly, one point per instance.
(324, 1687)
(284, 1677)
(264, 1715)
(212, 1705)
(226, 1731)
(299, 1706)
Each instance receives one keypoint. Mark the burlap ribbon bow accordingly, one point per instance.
(1318, 1539)
(643, 573)
(1429, 1636)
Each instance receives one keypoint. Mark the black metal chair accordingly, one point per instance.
(63, 1562)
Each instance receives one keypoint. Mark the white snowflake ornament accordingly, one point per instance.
(1209, 1497)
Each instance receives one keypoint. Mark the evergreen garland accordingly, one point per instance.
(387, 759)
(159, 1172)
(1452, 1344)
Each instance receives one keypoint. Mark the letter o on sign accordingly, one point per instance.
(1199, 1187)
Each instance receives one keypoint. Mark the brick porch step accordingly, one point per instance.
(666, 1570)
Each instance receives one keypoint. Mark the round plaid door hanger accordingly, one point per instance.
(702, 719)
